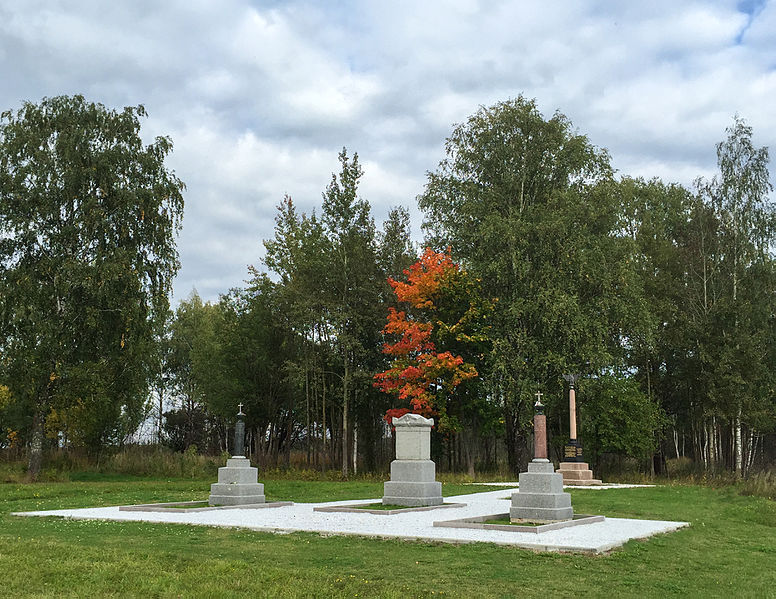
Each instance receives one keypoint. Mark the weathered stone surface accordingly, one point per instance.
(413, 420)
(540, 482)
(537, 514)
(577, 473)
(573, 466)
(413, 474)
(540, 436)
(413, 443)
(413, 470)
(237, 484)
(236, 499)
(541, 495)
(543, 500)
(238, 475)
(412, 493)
(541, 466)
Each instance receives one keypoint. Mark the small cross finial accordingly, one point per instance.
(539, 406)
(240, 406)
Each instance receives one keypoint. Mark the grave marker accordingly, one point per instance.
(413, 474)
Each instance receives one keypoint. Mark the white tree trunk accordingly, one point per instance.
(739, 454)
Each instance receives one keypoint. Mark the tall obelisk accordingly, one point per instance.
(574, 470)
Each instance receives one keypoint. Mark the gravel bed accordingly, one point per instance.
(596, 538)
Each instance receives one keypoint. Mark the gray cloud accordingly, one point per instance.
(260, 96)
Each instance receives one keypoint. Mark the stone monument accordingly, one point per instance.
(540, 497)
(237, 481)
(413, 474)
(573, 469)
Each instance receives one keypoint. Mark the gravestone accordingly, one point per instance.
(540, 497)
(573, 468)
(237, 481)
(413, 474)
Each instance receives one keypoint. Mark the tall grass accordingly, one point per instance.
(140, 461)
(154, 461)
(762, 484)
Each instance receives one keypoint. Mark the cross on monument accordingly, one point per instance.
(539, 397)
(239, 406)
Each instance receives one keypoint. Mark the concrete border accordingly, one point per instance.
(354, 509)
(170, 507)
(599, 537)
(478, 523)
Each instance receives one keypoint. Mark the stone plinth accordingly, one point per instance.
(577, 473)
(541, 497)
(237, 484)
(413, 474)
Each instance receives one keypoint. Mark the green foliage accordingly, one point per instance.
(88, 217)
(531, 209)
(709, 279)
(619, 418)
(332, 296)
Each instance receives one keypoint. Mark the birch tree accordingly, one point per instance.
(88, 218)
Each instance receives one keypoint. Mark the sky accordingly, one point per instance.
(260, 97)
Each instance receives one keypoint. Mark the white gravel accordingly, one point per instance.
(597, 537)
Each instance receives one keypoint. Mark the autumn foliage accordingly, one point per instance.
(419, 373)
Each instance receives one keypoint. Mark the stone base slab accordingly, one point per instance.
(413, 471)
(577, 473)
(179, 507)
(236, 494)
(541, 495)
(522, 499)
(236, 499)
(231, 475)
(540, 514)
(354, 509)
(478, 523)
(412, 494)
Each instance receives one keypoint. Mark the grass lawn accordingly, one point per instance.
(730, 549)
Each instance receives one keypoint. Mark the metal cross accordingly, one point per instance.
(240, 413)
(539, 396)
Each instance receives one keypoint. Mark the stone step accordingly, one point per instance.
(415, 471)
(231, 475)
(236, 500)
(236, 489)
(541, 514)
(541, 482)
(576, 474)
(583, 483)
(542, 500)
(574, 466)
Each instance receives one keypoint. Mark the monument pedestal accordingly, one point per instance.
(237, 484)
(541, 497)
(577, 473)
(413, 474)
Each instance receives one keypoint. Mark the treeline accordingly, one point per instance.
(299, 352)
(542, 263)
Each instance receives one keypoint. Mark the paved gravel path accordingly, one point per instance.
(597, 537)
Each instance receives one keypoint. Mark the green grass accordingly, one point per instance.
(730, 549)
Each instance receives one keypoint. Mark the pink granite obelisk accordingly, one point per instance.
(573, 469)
(540, 497)
(540, 432)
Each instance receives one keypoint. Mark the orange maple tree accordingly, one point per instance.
(419, 373)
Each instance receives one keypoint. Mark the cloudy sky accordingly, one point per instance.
(259, 97)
